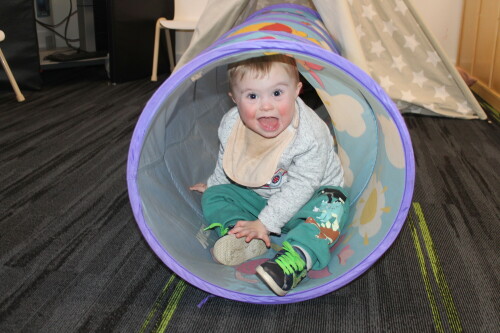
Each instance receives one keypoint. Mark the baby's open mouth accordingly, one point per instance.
(269, 123)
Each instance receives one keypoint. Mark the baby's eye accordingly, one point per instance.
(277, 93)
(252, 96)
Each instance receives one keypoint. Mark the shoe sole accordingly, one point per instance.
(270, 282)
(232, 251)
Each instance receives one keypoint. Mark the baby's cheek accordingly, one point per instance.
(286, 110)
(247, 113)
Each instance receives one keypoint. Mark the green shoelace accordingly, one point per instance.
(290, 261)
(223, 231)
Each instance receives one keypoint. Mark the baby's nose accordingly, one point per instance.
(266, 104)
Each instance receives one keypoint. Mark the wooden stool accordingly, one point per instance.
(19, 95)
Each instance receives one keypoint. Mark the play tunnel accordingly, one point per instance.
(175, 145)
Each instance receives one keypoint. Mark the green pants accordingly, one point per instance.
(314, 228)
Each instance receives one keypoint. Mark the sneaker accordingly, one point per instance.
(284, 272)
(231, 251)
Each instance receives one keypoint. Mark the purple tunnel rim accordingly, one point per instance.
(214, 55)
(279, 36)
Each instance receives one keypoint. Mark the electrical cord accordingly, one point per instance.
(77, 53)
(58, 24)
(50, 28)
(66, 20)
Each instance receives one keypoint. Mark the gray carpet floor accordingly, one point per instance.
(73, 260)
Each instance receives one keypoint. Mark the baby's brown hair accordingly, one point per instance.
(261, 66)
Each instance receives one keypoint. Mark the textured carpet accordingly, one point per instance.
(73, 260)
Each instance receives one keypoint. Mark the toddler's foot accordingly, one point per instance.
(284, 271)
(231, 251)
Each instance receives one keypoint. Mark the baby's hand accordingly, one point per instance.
(200, 187)
(251, 230)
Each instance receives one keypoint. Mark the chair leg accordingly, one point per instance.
(156, 50)
(170, 51)
(13, 83)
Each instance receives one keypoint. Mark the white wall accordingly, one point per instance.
(443, 18)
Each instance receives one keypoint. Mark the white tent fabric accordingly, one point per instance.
(387, 39)
(406, 60)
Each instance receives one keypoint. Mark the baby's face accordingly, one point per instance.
(267, 103)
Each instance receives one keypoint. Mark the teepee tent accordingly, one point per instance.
(387, 39)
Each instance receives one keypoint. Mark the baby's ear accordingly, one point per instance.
(231, 95)
(299, 88)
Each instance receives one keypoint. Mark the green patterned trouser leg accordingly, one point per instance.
(315, 227)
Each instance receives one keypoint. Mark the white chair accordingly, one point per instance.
(186, 16)
(13, 83)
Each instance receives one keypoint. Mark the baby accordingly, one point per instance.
(277, 172)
